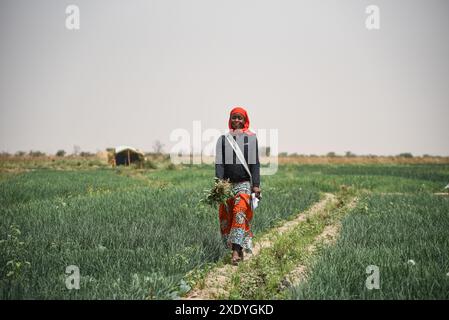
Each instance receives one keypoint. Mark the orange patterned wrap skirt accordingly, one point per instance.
(235, 217)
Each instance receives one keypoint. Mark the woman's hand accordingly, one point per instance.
(257, 191)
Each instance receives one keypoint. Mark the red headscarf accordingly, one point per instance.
(245, 114)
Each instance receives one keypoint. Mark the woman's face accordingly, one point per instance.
(237, 121)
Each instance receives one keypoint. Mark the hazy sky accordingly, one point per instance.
(137, 70)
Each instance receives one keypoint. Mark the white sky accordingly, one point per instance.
(137, 70)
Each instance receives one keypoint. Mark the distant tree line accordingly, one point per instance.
(36, 154)
(158, 150)
(349, 154)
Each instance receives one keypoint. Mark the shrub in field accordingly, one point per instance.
(149, 164)
(95, 163)
(36, 153)
(171, 166)
(86, 154)
(349, 154)
(20, 153)
(405, 155)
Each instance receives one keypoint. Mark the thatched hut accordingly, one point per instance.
(125, 155)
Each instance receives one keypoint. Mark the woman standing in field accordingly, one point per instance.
(236, 216)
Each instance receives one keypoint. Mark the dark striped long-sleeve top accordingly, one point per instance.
(228, 166)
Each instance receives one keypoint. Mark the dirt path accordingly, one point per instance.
(218, 280)
(328, 236)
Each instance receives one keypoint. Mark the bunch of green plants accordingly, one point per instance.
(219, 193)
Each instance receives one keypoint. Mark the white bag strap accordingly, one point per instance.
(239, 154)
